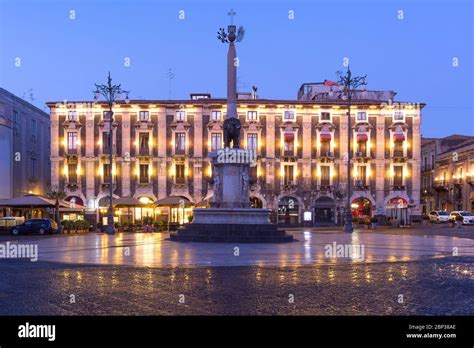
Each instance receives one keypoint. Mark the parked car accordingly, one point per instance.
(40, 226)
(438, 216)
(468, 218)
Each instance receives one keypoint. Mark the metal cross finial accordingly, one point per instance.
(232, 13)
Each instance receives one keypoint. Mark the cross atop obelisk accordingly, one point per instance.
(232, 13)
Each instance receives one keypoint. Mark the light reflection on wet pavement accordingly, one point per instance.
(155, 250)
(104, 281)
(440, 286)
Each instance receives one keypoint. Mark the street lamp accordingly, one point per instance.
(111, 93)
(349, 83)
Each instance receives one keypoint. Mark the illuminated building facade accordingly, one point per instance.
(447, 173)
(162, 149)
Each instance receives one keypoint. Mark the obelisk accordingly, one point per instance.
(230, 218)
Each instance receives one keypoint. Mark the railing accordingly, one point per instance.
(440, 184)
(71, 152)
(427, 167)
(144, 151)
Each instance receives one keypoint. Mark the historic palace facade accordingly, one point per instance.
(447, 173)
(161, 149)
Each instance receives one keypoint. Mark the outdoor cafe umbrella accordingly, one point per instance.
(171, 201)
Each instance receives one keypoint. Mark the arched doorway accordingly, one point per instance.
(324, 211)
(361, 208)
(256, 202)
(74, 201)
(288, 211)
(75, 209)
(397, 210)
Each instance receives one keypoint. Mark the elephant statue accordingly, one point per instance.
(232, 132)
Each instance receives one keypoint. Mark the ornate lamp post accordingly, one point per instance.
(350, 83)
(111, 93)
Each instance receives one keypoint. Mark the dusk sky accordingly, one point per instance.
(62, 58)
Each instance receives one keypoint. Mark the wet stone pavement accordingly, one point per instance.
(437, 286)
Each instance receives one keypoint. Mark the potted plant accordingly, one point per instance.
(459, 220)
(67, 226)
(81, 226)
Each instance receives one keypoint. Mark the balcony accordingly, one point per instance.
(398, 187)
(427, 168)
(144, 151)
(327, 155)
(104, 151)
(440, 185)
(399, 155)
(288, 185)
(72, 184)
(427, 191)
(361, 185)
(325, 187)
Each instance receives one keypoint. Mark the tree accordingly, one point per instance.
(57, 195)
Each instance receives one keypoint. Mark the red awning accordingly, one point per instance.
(325, 136)
(362, 137)
(399, 137)
(289, 136)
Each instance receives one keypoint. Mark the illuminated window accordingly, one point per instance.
(252, 141)
(361, 178)
(180, 173)
(216, 141)
(144, 116)
(107, 173)
(144, 143)
(216, 116)
(180, 142)
(325, 178)
(72, 115)
(180, 115)
(289, 177)
(289, 115)
(397, 175)
(361, 116)
(72, 141)
(144, 177)
(105, 142)
(325, 116)
(252, 116)
(72, 173)
(398, 116)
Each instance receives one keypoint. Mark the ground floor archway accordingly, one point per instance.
(324, 211)
(256, 202)
(361, 208)
(288, 211)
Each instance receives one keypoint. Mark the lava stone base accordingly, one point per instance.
(231, 233)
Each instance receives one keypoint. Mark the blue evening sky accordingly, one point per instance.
(62, 58)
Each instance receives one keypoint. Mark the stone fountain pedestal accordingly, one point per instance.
(230, 218)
